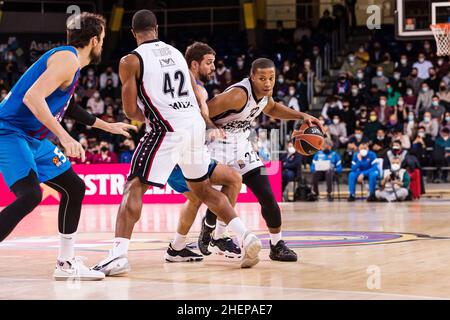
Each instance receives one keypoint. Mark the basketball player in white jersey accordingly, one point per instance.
(200, 59)
(158, 89)
(234, 110)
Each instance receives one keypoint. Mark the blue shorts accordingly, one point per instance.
(20, 153)
(178, 183)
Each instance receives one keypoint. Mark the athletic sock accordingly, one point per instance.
(120, 246)
(275, 237)
(66, 246)
(237, 226)
(179, 242)
(221, 228)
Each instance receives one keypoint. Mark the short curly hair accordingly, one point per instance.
(82, 27)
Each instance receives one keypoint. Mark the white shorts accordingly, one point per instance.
(239, 156)
(159, 152)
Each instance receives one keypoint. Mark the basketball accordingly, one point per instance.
(308, 140)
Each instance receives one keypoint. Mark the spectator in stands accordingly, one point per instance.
(97, 104)
(398, 135)
(441, 155)
(348, 117)
(411, 125)
(108, 91)
(393, 124)
(372, 98)
(290, 165)
(425, 99)
(342, 86)
(446, 78)
(410, 99)
(446, 120)
(388, 65)
(351, 65)
(428, 50)
(331, 108)
(444, 95)
(84, 143)
(395, 151)
(109, 114)
(442, 67)
(109, 74)
(128, 147)
(391, 95)
(89, 82)
(382, 110)
(228, 81)
(422, 65)
(219, 74)
(398, 83)
(404, 66)
(352, 146)
(380, 80)
(395, 183)
(436, 110)
(105, 154)
(371, 128)
(239, 71)
(413, 81)
(431, 125)
(362, 117)
(381, 144)
(338, 132)
(433, 81)
(325, 165)
(410, 50)
(326, 22)
(361, 81)
(281, 87)
(290, 99)
(71, 129)
(364, 165)
(362, 55)
(355, 98)
(376, 54)
(288, 72)
(421, 143)
(3, 94)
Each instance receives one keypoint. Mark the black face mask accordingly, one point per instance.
(326, 151)
(104, 149)
(396, 151)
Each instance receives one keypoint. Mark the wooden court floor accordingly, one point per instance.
(347, 251)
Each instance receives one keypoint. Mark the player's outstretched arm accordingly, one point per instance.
(279, 111)
(233, 99)
(79, 114)
(129, 72)
(61, 68)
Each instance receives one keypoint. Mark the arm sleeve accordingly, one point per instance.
(78, 114)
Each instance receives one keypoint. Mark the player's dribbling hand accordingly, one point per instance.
(313, 121)
(121, 128)
(73, 148)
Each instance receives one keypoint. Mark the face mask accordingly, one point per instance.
(291, 92)
(361, 50)
(409, 92)
(315, 52)
(90, 72)
(401, 103)
(425, 89)
(421, 134)
(351, 58)
(373, 118)
(355, 92)
(336, 121)
(360, 75)
(380, 137)
(389, 90)
(307, 64)
(363, 152)
(96, 95)
(104, 149)
(291, 150)
(411, 117)
(435, 103)
(3, 96)
(69, 126)
(408, 48)
(445, 138)
(382, 103)
(421, 60)
(358, 136)
(440, 62)
(395, 167)
(240, 64)
(403, 61)
(397, 76)
(285, 68)
(280, 80)
(326, 151)
(447, 119)
(379, 73)
(443, 88)
(427, 119)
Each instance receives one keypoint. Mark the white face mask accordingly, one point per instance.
(360, 75)
(395, 167)
(354, 92)
(291, 150)
(427, 119)
(445, 138)
(409, 92)
(336, 121)
(400, 103)
(380, 73)
(382, 103)
(440, 62)
(358, 136)
(397, 76)
(421, 134)
(291, 92)
(421, 60)
(403, 61)
(364, 152)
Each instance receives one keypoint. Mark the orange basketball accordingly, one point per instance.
(308, 140)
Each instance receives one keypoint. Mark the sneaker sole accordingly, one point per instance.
(111, 271)
(170, 258)
(251, 254)
(69, 278)
(226, 254)
(284, 260)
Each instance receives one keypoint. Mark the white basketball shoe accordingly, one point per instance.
(75, 270)
(113, 265)
(251, 246)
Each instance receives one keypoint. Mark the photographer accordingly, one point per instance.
(395, 183)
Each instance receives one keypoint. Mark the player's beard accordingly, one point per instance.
(204, 78)
(95, 57)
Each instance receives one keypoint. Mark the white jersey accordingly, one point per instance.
(165, 93)
(237, 123)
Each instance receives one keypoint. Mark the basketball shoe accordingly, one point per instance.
(75, 270)
(280, 252)
(113, 265)
(183, 255)
(226, 247)
(204, 238)
(251, 246)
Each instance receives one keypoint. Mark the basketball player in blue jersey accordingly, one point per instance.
(200, 59)
(29, 114)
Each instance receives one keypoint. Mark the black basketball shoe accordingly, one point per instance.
(280, 252)
(204, 238)
(225, 246)
(183, 255)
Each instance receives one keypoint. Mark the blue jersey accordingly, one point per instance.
(16, 116)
